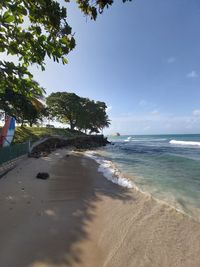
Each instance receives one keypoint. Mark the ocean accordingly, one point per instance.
(165, 166)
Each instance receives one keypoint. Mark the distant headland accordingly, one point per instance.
(116, 134)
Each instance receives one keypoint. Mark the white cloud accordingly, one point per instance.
(192, 74)
(171, 60)
(196, 112)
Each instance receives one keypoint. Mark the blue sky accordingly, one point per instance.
(143, 59)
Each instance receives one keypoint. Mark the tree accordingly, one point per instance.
(65, 107)
(84, 119)
(95, 116)
(17, 90)
(81, 113)
(33, 30)
(23, 109)
(34, 113)
(101, 118)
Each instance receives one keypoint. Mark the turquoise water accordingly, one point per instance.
(166, 166)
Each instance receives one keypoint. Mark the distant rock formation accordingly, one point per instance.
(116, 134)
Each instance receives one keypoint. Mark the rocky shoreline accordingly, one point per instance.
(81, 142)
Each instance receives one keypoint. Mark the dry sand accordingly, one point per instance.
(78, 218)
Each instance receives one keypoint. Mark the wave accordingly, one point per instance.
(110, 171)
(128, 139)
(184, 143)
(145, 140)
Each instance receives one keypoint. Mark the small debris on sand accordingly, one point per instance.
(42, 175)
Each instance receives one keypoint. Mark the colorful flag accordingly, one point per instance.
(7, 132)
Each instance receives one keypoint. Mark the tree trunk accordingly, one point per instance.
(72, 125)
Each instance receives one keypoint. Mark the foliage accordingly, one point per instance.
(23, 134)
(65, 107)
(81, 113)
(33, 115)
(92, 8)
(30, 31)
(20, 107)
(29, 36)
(93, 116)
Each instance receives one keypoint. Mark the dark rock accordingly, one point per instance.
(42, 175)
(81, 142)
(44, 154)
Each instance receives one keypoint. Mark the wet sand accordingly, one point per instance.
(78, 218)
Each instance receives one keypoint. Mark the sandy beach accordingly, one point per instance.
(78, 218)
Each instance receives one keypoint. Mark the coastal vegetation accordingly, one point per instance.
(28, 39)
(23, 134)
(79, 112)
(82, 115)
(30, 110)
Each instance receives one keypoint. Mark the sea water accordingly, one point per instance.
(165, 166)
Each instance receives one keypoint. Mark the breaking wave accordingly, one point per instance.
(110, 171)
(184, 143)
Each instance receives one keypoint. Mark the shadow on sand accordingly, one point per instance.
(74, 190)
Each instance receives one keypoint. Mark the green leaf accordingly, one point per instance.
(38, 30)
(22, 10)
(64, 61)
(64, 40)
(7, 17)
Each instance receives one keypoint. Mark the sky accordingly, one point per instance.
(142, 58)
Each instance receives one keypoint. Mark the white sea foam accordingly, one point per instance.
(128, 139)
(184, 143)
(110, 171)
(147, 140)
